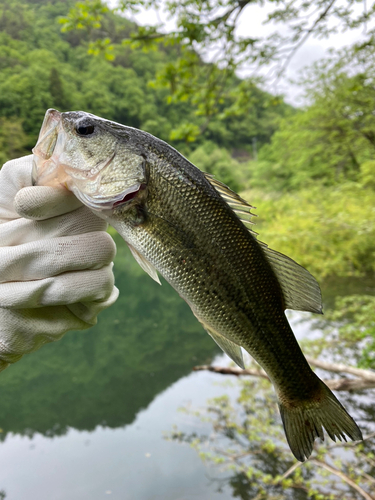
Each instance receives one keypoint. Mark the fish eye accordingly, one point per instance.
(85, 128)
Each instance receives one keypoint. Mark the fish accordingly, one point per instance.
(196, 232)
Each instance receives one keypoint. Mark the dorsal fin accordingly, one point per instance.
(240, 206)
(300, 289)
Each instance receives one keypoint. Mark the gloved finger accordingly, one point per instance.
(25, 330)
(20, 231)
(43, 202)
(15, 175)
(68, 288)
(88, 311)
(41, 259)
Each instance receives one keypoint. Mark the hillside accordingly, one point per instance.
(42, 67)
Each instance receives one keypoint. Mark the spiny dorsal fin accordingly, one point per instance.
(300, 289)
(240, 206)
(145, 264)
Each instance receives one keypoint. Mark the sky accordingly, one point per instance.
(252, 22)
(313, 50)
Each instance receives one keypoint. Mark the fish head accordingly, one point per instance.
(97, 159)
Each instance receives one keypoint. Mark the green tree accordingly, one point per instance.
(212, 89)
(56, 89)
(207, 31)
(329, 140)
(41, 67)
(13, 140)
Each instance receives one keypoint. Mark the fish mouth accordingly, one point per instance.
(109, 202)
(43, 170)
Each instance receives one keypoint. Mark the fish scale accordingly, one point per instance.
(195, 232)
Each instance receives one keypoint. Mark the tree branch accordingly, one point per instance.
(349, 384)
(305, 37)
(344, 477)
(231, 371)
(341, 368)
(290, 471)
(365, 378)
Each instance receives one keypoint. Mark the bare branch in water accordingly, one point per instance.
(344, 477)
(341, 368)
(365, 378)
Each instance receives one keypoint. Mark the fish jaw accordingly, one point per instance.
(46, 165)
(107, 203)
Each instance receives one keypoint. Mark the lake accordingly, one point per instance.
(85, 417)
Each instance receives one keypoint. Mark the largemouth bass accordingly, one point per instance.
(193, 230)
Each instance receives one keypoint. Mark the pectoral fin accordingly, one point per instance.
(145, 264)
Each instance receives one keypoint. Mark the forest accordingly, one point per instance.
(310, 171)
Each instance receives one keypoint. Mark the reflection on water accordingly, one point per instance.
(105, 375)
(83, 418)
(123, 463)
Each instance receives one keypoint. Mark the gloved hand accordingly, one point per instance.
(55, 263)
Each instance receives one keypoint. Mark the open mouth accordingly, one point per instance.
(43, 167)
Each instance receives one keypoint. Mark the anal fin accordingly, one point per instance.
(145, 264)
(230, 348)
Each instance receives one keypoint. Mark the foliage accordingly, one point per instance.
(42, 67)
(245, 438)
(13, 140)
(327, 231)
(210, 87)
(313, 183)
(219, 162)
(349, 331)
(331, 139)
(208, 31)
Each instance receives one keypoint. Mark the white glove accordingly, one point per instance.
(55, 263)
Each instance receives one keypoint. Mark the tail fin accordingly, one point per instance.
(305, 421)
